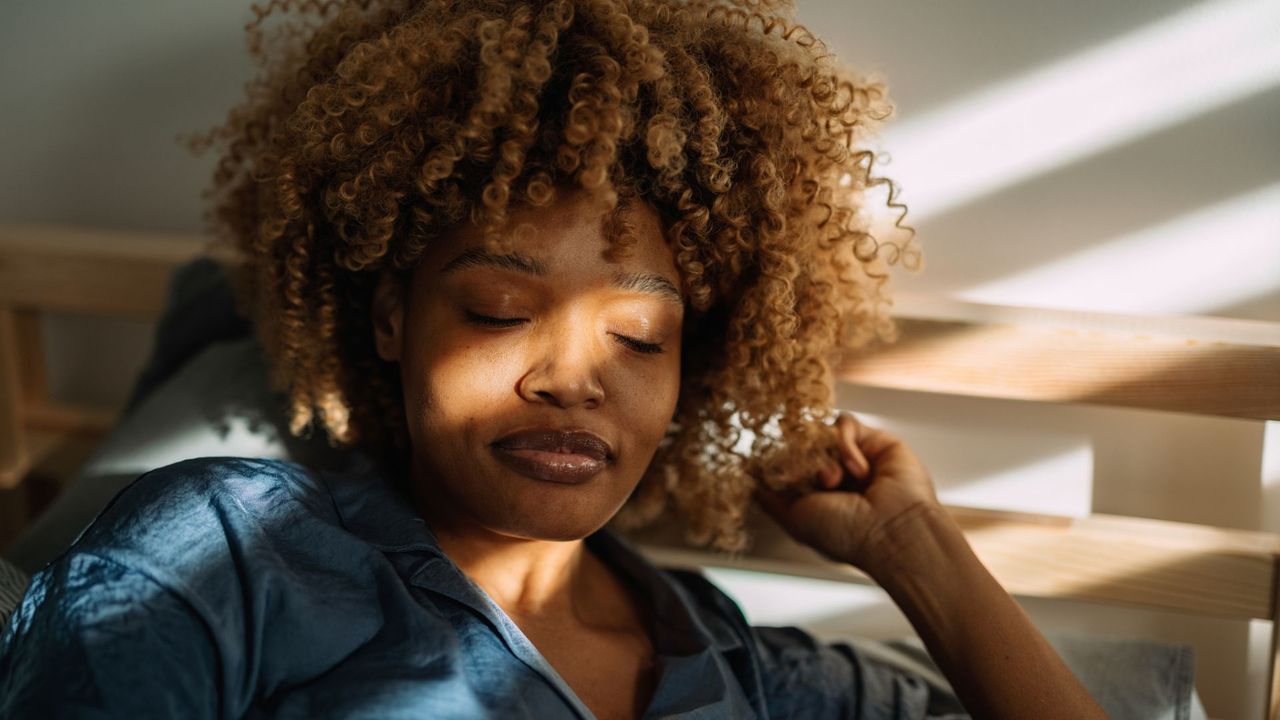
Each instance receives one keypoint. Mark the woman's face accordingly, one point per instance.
(553, 338)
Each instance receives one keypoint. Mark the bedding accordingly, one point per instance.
(13, 583)
(204, 393)
(216, 404)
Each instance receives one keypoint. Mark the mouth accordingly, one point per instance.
(569, 468)
(570, 457)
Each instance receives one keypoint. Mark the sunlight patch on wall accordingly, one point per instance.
(1214, 257)
(1172, 70)
(982, 463)
(1049, 485)
(1270, 519)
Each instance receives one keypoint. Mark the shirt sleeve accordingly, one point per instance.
(93, 638)
(804, 677)
(796, 675)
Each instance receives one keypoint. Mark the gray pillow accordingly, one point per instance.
(216, 404)
(1129, 677)
(203, 392)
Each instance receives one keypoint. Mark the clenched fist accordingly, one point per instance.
(865, 502)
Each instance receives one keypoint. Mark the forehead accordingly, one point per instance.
(567, 238)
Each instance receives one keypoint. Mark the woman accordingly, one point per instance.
(541, 264)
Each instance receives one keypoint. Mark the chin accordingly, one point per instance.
(554, 525)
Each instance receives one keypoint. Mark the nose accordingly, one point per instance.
(565, 364)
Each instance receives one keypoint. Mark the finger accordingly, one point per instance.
(852, 454)
(872, 441)
(831, 473)
(876, 442)
(772, 502)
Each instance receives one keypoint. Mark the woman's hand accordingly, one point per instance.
(891, 525)
(871, 489)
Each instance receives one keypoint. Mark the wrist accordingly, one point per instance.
(918, 545)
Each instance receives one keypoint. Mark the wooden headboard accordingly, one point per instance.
(1199, 365)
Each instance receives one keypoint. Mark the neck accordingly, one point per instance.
(523, 576)
(550, 580)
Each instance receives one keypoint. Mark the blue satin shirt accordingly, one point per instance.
(233, 588)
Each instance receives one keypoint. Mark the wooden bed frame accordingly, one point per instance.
(1205, 366)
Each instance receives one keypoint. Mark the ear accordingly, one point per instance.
(387, 315)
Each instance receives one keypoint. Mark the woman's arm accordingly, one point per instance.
(94, 639)
(997, 661)
(893, 528)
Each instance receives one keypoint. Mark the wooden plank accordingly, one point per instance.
(1208, 366)
(1207, 328)
(57, 456)
(29, 337)
(69, 419)
(1271, 707)
(90, 270)
(15, 513)
(12, 433)
(58, 440)
(1166, 565)
(74, 269)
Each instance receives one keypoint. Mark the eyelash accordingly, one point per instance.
(643, 347)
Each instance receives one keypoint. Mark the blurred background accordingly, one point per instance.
(1094, 155)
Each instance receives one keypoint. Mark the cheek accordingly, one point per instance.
(453, 385)
(443, 370)
(667, 380)
(649, 395)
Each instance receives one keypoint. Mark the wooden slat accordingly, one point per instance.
(1166, 565)
(15, 513)
(90, 270)
(57, 455)
(75, 269)
(44, 429)
(31, 361)
(69, 419)
(1272, 707)
(12, 437)
(1202, 365)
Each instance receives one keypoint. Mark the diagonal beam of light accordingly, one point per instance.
(1201, 58)
(1213, 257)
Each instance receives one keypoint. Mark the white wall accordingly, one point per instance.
(1091, 155)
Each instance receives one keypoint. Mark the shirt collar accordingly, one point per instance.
(376, 512)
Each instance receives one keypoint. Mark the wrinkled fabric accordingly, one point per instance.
(243, 588)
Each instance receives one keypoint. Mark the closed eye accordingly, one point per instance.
(637, 345)
(493, 321)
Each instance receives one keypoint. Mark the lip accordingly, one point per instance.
(564, 456)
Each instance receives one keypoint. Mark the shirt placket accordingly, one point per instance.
(440, 576)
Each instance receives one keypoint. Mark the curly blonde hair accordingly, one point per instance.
(375, 126)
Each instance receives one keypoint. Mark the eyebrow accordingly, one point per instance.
(650, 283)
